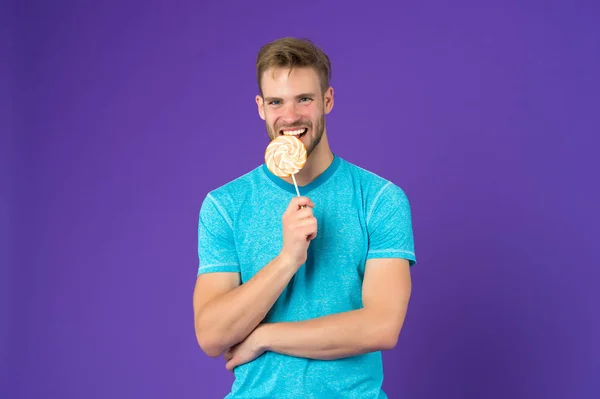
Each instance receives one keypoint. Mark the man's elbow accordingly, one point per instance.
(210, 341)
(389, 335)
(210, 346)
(389, 340)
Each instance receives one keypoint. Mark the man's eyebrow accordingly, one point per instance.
(311, 95)
(270, 99)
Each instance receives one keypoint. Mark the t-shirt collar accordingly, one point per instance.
(322, 178)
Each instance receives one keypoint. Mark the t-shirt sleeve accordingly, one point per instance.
(389, 225)
(216, 246)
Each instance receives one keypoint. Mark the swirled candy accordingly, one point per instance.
(285, 156)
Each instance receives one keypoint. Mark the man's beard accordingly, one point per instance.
(318, 132)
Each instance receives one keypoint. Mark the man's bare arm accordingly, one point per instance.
(225, 311)
(376, 326)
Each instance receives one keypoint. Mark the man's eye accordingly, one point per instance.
(305, 99)
(274, 102)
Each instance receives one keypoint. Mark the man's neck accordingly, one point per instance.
(318, 161)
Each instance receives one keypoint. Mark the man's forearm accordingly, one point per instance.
(332, 337)
(231, 317)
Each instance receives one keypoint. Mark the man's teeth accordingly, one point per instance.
(293, 132)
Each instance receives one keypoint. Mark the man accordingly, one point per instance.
(301, 294)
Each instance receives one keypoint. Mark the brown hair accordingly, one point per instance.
(290, 52)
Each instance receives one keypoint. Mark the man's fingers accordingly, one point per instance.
(299, 202)
(304, 213)
(304, 201)
(310, 222)
(230, 365)
(228, 353)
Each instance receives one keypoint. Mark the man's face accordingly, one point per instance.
(293, 104)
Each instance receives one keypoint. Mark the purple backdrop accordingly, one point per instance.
(7, 205)
(127, 113)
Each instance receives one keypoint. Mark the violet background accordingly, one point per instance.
(119, 116)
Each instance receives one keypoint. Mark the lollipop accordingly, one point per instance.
(285, 156)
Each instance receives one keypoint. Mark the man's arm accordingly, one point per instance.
(376, 326)
(226, 311)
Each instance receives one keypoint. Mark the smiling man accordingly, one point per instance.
(301, 294)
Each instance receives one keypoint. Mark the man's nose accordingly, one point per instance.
(290, 113)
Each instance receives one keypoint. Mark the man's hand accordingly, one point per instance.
(246, 351)
(299, 229)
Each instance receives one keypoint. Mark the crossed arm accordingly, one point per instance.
(376, 326)
(235, 315)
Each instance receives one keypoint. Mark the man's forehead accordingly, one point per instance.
(299, 78)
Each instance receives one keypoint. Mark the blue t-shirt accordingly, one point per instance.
(360, 216)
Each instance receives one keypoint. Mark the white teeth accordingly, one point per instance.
(293, 132)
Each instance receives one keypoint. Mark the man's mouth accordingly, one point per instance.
(298, 133)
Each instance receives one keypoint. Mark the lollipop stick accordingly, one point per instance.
(295, 185)
(297, 192)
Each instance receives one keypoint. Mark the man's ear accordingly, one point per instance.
(328, 100)
(260, 104)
